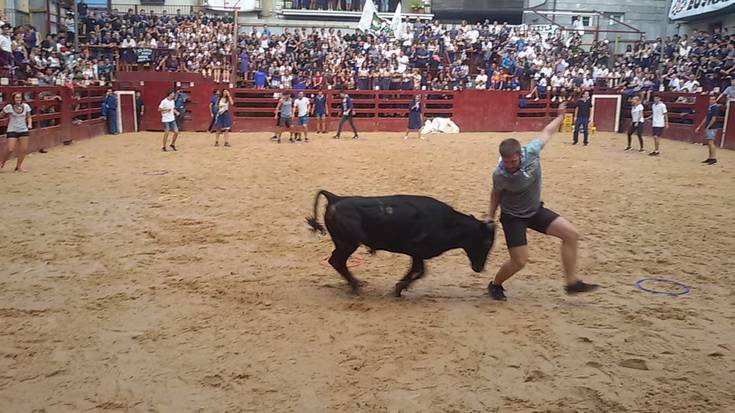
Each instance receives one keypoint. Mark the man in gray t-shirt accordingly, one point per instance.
(517, 190)
(729, 92)
(284, 114)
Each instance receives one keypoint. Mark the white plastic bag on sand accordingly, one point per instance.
(439, 125)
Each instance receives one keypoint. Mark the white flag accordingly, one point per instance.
(396, 25)
(368, 12)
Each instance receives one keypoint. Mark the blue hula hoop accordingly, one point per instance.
(684, 288)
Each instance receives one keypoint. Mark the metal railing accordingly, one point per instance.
(339, 5)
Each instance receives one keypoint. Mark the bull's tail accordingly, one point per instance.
(312, 220)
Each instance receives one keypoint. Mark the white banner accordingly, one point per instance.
(369, 13)
(242, 5)
(681, 9)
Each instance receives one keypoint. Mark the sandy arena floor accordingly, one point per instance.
(202, 290)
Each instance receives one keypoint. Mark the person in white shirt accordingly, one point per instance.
(674, 84)
(556, 82)
(481, 80)
(659, 121)
(636, 124)
(6, 45)
(301, 105)
(168, 118)
(692, 85)
(578, 25)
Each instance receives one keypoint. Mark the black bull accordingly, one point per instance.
(418, 226)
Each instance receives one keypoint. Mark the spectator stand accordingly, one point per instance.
(589, 34)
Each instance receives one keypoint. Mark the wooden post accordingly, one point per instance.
(235, 62)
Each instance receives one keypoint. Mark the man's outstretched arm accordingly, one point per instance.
(552, 127)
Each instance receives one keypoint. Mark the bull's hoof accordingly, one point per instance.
(399, 289)
(355, 289)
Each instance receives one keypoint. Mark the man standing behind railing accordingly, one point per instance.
(109, 112)
(6, 51)
(180, 109)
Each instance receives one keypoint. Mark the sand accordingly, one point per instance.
(201, 290)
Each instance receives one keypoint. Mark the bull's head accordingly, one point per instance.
(479, 243)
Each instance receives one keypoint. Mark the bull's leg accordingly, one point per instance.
(417, 271)
(338, 260)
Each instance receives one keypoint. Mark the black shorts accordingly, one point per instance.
(16, 135)
(515, 228)
(658, 132)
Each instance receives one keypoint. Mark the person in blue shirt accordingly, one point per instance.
(582, 118)
(713, 111)
(346, 115)
(259, 78)
(213, 109)
(415, 117)
(82, 8)
(517, 191)
(139, 109)
(319, 111)
(179, 102)
(109, 111)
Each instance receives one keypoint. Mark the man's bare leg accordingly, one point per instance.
(165, 139)
(518, 260)
(712, 149)
(564, 230)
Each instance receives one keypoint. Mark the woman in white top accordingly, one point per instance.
(636, 124)
(223, 119)
(481, 80)
(18, 129)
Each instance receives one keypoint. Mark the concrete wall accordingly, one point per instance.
(649, 16)
(726, 19)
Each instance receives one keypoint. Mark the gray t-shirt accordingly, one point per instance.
(730, 92)
(17, 121)
(521, 190)
(287, 108)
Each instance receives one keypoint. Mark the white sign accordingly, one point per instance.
(242, 5)
(681, 9)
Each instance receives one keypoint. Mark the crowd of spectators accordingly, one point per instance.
(26, 58)
(426, 55)
(194, 42)
(485, 55)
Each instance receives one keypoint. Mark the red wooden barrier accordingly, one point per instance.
(154, 86)
(684, 117)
